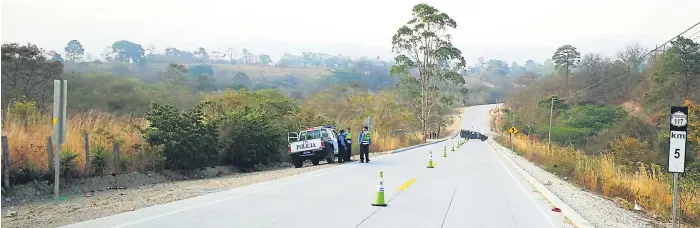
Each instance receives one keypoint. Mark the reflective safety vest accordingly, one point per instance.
(348, 137)
(365, 139)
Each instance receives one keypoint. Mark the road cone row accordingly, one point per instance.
(380, 192)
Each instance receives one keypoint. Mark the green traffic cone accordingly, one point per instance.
(453, 148)
(444, 154)
(380, 191)
(430, 161)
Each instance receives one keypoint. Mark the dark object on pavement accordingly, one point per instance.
(467, 134)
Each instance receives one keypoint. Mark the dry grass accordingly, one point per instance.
(381, 143)
(648, 186)
(27, 135)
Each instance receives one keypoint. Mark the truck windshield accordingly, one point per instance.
(308, 135)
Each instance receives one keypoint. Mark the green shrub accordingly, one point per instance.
(249, 139)
(594, 117)
(189, 142)
(99, 159)
(565, 135)
(68, 166)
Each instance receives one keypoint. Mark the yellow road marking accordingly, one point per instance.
(408, 183)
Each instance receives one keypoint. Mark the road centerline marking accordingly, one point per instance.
(407, 184)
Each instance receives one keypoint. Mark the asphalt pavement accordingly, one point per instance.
(472, 187)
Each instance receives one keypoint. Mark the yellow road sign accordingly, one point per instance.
(513, 130)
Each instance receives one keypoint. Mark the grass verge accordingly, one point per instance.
(648, 186)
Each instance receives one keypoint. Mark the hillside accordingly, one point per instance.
(613, 116)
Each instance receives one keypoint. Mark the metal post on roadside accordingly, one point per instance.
(676, 156)
(59, 128)
(551, 113)
(511, 135)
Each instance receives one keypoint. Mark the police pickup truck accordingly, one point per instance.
(314, 144)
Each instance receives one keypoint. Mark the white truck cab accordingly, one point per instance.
(314, 144)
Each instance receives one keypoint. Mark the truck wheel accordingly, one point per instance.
(297, 161)
(330, 157)
(315, 161)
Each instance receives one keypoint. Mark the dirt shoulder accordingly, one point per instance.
(109, 201)
(96, 197)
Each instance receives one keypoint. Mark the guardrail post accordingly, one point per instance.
(49, 152)
(5, 162)
(115, 151)
(87, 152)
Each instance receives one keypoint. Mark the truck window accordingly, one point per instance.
(308, 135)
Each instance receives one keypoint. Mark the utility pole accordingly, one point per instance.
(551, 113)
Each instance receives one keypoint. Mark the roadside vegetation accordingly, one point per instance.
(610, 126)
(186, 111)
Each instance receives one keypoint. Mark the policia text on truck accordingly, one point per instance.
(313, 144)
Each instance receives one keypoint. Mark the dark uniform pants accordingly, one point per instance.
(364, 152)
(341, 153)
(348, 151)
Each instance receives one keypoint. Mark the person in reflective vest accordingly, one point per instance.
(348, 142)
(365, 141)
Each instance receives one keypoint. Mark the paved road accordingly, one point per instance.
(472, 187)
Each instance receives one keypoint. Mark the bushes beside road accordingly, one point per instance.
(245, 129)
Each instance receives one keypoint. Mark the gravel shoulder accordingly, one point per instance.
(599, 211)
(92, 204)
(109, 202)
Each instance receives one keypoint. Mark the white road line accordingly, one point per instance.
(569, 212)
(528, 194)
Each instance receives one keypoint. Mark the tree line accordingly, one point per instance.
(186, 110)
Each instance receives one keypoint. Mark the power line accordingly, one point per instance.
(636, 66)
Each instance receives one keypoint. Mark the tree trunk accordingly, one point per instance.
(423, 112)
(566, 82)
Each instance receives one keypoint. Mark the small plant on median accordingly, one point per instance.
(68, 165)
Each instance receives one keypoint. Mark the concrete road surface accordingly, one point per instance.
(471, 187)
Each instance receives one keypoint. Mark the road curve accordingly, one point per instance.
(471, 187)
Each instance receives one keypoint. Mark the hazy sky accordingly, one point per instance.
(504, 29)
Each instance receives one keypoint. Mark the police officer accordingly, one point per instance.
(348, 143)
(342, 151)
(365, 141)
